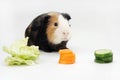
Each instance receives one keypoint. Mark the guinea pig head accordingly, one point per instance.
(58, 29)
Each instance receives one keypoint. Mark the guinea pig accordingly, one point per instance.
(50, 31)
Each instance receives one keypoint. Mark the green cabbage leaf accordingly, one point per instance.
(21, 54)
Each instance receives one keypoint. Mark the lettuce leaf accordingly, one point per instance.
(21, 54)
(18, 61)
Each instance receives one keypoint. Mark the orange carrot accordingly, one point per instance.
(66, 56)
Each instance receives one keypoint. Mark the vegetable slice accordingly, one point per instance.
(103, 56)
(66, 56)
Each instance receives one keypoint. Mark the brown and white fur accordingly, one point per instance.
(50, 31)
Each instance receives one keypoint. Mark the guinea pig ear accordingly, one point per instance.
(45, 18)
(67, 16)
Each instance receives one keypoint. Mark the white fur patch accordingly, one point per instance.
(63, 31)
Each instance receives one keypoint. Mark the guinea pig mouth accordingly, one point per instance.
(65, 39)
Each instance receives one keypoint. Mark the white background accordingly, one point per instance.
(95, 25)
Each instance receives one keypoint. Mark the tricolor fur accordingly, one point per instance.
(50, 31)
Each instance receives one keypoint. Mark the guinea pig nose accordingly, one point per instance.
(65, 33)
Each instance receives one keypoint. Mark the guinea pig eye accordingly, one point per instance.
(56, 24)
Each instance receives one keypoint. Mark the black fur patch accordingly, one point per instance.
(37, 35)
(66, 16)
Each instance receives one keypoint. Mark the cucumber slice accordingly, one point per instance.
(103, 53)
(103, 56)
(99, 61)
(104, 60)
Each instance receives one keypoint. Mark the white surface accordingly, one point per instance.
(95, 25)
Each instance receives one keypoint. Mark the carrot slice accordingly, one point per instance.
(66, 56)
